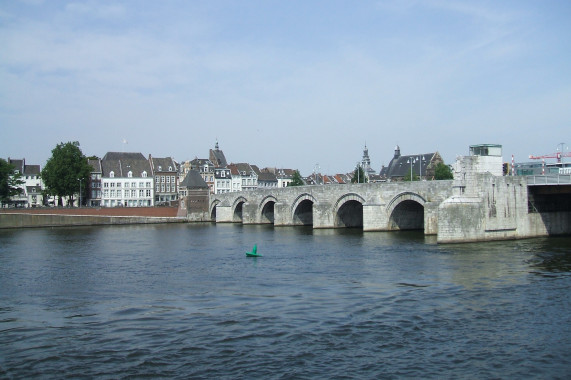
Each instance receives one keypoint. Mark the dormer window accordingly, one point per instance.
(130, 174)
(144, 174)
(170, 168)
(160, 168)
(112, 174)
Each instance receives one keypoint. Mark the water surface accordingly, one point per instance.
(183, 301)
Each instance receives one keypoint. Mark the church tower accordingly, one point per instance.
(366, 162)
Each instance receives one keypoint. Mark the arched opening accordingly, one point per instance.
(268, 213)
(213, 214)
(350, 215)
(303, 214)
(407, 215)
(238, 213)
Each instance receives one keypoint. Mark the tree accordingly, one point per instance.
(10, 181)
(296, 179)
(407, 177)
(359, 175)
(443, 171)
(66, 171)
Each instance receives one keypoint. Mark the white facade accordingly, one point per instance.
(222, 181)
(127, 191)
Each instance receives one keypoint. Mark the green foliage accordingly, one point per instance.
(407, 177)
(10, 182)
(359, 175)
(64, 170)
(443, 171)
(296, 179)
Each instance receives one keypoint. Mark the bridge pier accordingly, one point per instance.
(322, 216)
(375, 217)
(224, 214)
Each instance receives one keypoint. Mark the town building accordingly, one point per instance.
(419, 165)
(244, 177)
(127, 180)
(366, 163)
(31, 190)
(205, 168)
(222, 180)
(266, 178)
(195, 195)
(94, 183)
(165, 172)
(216, 156)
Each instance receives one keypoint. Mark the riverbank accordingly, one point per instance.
(65, 217)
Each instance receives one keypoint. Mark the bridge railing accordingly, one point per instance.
(553, 179)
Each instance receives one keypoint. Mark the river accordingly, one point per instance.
(183, 301)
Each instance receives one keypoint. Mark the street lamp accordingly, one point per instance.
(421, 161)
(410, 161)
(80, 179)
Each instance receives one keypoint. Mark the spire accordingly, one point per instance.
(216, 145)
(397, 151)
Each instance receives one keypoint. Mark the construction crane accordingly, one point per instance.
(558, 155)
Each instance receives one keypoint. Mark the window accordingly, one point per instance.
(118, 184)
(112, 174)
(144, 174)
(141, 184)
(162, 179)
(168, 179)
(141, 193)
(112, 184)
(112, 193)
(170, 168)
(148, 193)
(149, 184)
(106, 184)
(118, 193)
(130, 174)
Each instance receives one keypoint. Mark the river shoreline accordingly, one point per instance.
(69, 217)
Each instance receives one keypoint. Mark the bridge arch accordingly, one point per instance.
(237, 209)
(349, 211)
(406, 212)
(212, 211)
(302, 210)
(266, 208)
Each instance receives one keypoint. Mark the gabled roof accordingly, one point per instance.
(17, 164)
(400, 166)
(165, 164)
(193, 180)
(121, 163)
(95, 165)
(241, 168)
(266, 176)
(32, 170)
(217, 157)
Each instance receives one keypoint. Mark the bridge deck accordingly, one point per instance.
(542, 180)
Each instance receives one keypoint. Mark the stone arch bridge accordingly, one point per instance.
(370, 206)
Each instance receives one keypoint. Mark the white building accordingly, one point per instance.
(222, 181)
(244, 177)
(31, 189)
(126, 180)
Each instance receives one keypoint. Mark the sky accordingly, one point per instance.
(290, 84)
